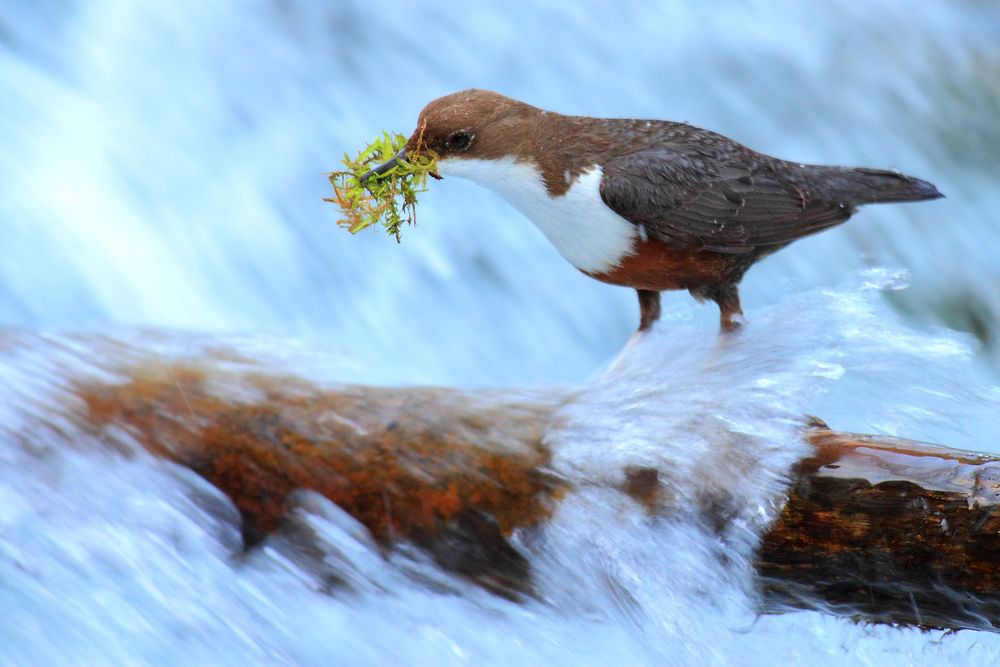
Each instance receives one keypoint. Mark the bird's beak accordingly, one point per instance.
(384, 167)
(414, 143)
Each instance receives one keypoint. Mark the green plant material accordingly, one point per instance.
(390, 197)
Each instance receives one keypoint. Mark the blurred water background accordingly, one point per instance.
(163, 168)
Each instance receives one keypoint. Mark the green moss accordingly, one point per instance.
(389, 197)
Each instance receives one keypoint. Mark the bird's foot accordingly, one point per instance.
(733, 323)
(730, 313)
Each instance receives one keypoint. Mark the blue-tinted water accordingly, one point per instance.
(163, 167)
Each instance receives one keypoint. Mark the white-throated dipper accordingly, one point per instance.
(648, 204)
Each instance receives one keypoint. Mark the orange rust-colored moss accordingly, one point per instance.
(400, 461)
(833, 445)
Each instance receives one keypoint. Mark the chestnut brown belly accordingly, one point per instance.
(656, 266)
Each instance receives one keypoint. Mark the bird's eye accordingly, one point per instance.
(459, 140)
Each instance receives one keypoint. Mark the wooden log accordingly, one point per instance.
(874, 528)
(453, 472)
(888, 530)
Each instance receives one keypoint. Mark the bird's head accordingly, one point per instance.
(469, 125)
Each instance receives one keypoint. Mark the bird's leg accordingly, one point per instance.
(730, 313)
(649, 308)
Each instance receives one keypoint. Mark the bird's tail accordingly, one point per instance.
(873, 186)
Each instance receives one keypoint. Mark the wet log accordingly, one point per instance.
(874, 528)
(452, 472)
(888, 530)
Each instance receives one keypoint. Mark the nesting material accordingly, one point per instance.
(367, 196)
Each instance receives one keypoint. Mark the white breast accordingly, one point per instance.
(579, 224)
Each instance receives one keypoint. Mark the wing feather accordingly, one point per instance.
(692, 202)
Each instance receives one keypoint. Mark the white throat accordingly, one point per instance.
(579, 224)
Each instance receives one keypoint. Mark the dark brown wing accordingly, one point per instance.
(692, 202)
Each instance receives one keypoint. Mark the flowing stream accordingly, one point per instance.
(161, 185)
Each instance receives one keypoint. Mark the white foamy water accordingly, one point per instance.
(163, 169)
(114, 560)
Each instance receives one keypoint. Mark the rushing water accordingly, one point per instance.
(162, 168)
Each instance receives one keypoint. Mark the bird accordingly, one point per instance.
(652, 205)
